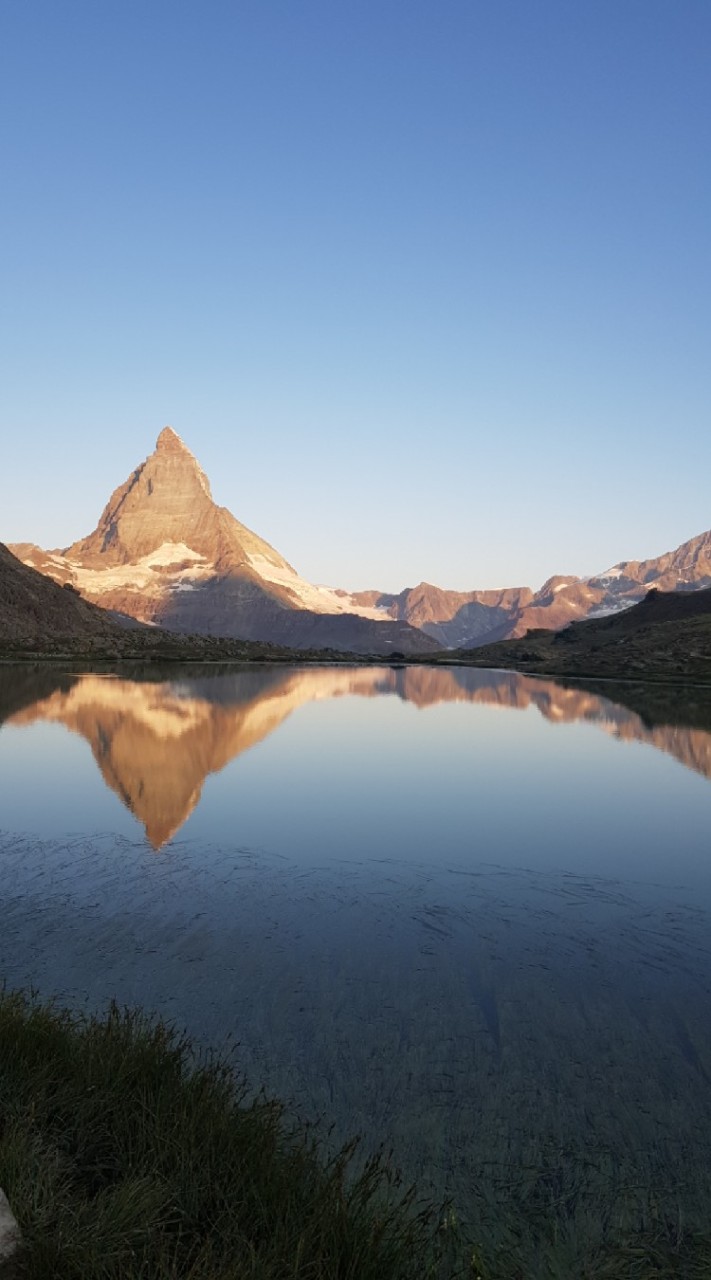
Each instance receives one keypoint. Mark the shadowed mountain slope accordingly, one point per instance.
(668, 634)
(32, 607)
(38, 617)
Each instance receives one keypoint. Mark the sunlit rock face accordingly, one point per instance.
(467, 619)
(156, 742)
(165, 512)
(163, 552)
(563, 600)
(455, 619)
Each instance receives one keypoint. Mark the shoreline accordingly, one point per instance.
(88, 661)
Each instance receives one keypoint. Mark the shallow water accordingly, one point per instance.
(465, 913)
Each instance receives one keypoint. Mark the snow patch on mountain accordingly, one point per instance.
(171, 553)
(608, 576)
(140, 575)
(619, 606)
(310, 596)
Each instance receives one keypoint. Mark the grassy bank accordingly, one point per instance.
(666, 636)
(123, 1158)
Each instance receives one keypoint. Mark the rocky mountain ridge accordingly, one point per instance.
(459, 619)
(164, 553)
(665, 635)
(41, 619)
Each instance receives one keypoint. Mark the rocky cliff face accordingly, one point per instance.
(564, 600)
(453, 618)
(165, 513)
(466, 620)
(164, 553)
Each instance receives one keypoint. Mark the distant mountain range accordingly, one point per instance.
(467, 619)
(667, 634)
(165, 554)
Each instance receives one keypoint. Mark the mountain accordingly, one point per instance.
(452, 618)
(564, 600)
(155, 742)
(41, 619)
(33, 607)
(667, 634)
(466, 619)
(164, 553)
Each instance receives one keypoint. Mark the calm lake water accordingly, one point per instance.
(464, 913)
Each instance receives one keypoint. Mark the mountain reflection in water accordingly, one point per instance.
(155, 742)
(479, 938)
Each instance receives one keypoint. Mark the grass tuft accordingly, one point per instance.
(123, 1156)
(127, 1157)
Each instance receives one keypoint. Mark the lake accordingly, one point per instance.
(462, 913)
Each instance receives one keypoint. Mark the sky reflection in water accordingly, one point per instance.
(464, 912)
(419, 763)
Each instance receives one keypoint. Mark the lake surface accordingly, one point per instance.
(464, 913)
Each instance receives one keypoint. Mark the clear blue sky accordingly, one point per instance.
(426, 287)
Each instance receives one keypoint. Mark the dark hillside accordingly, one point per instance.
(667, 635)
(657, 606)
(33, 607)
(39, 618)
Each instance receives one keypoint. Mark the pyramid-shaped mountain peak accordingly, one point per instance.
(164, 552)
(169, 442)
(165, 510)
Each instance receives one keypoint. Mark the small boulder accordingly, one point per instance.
(9, 1231)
